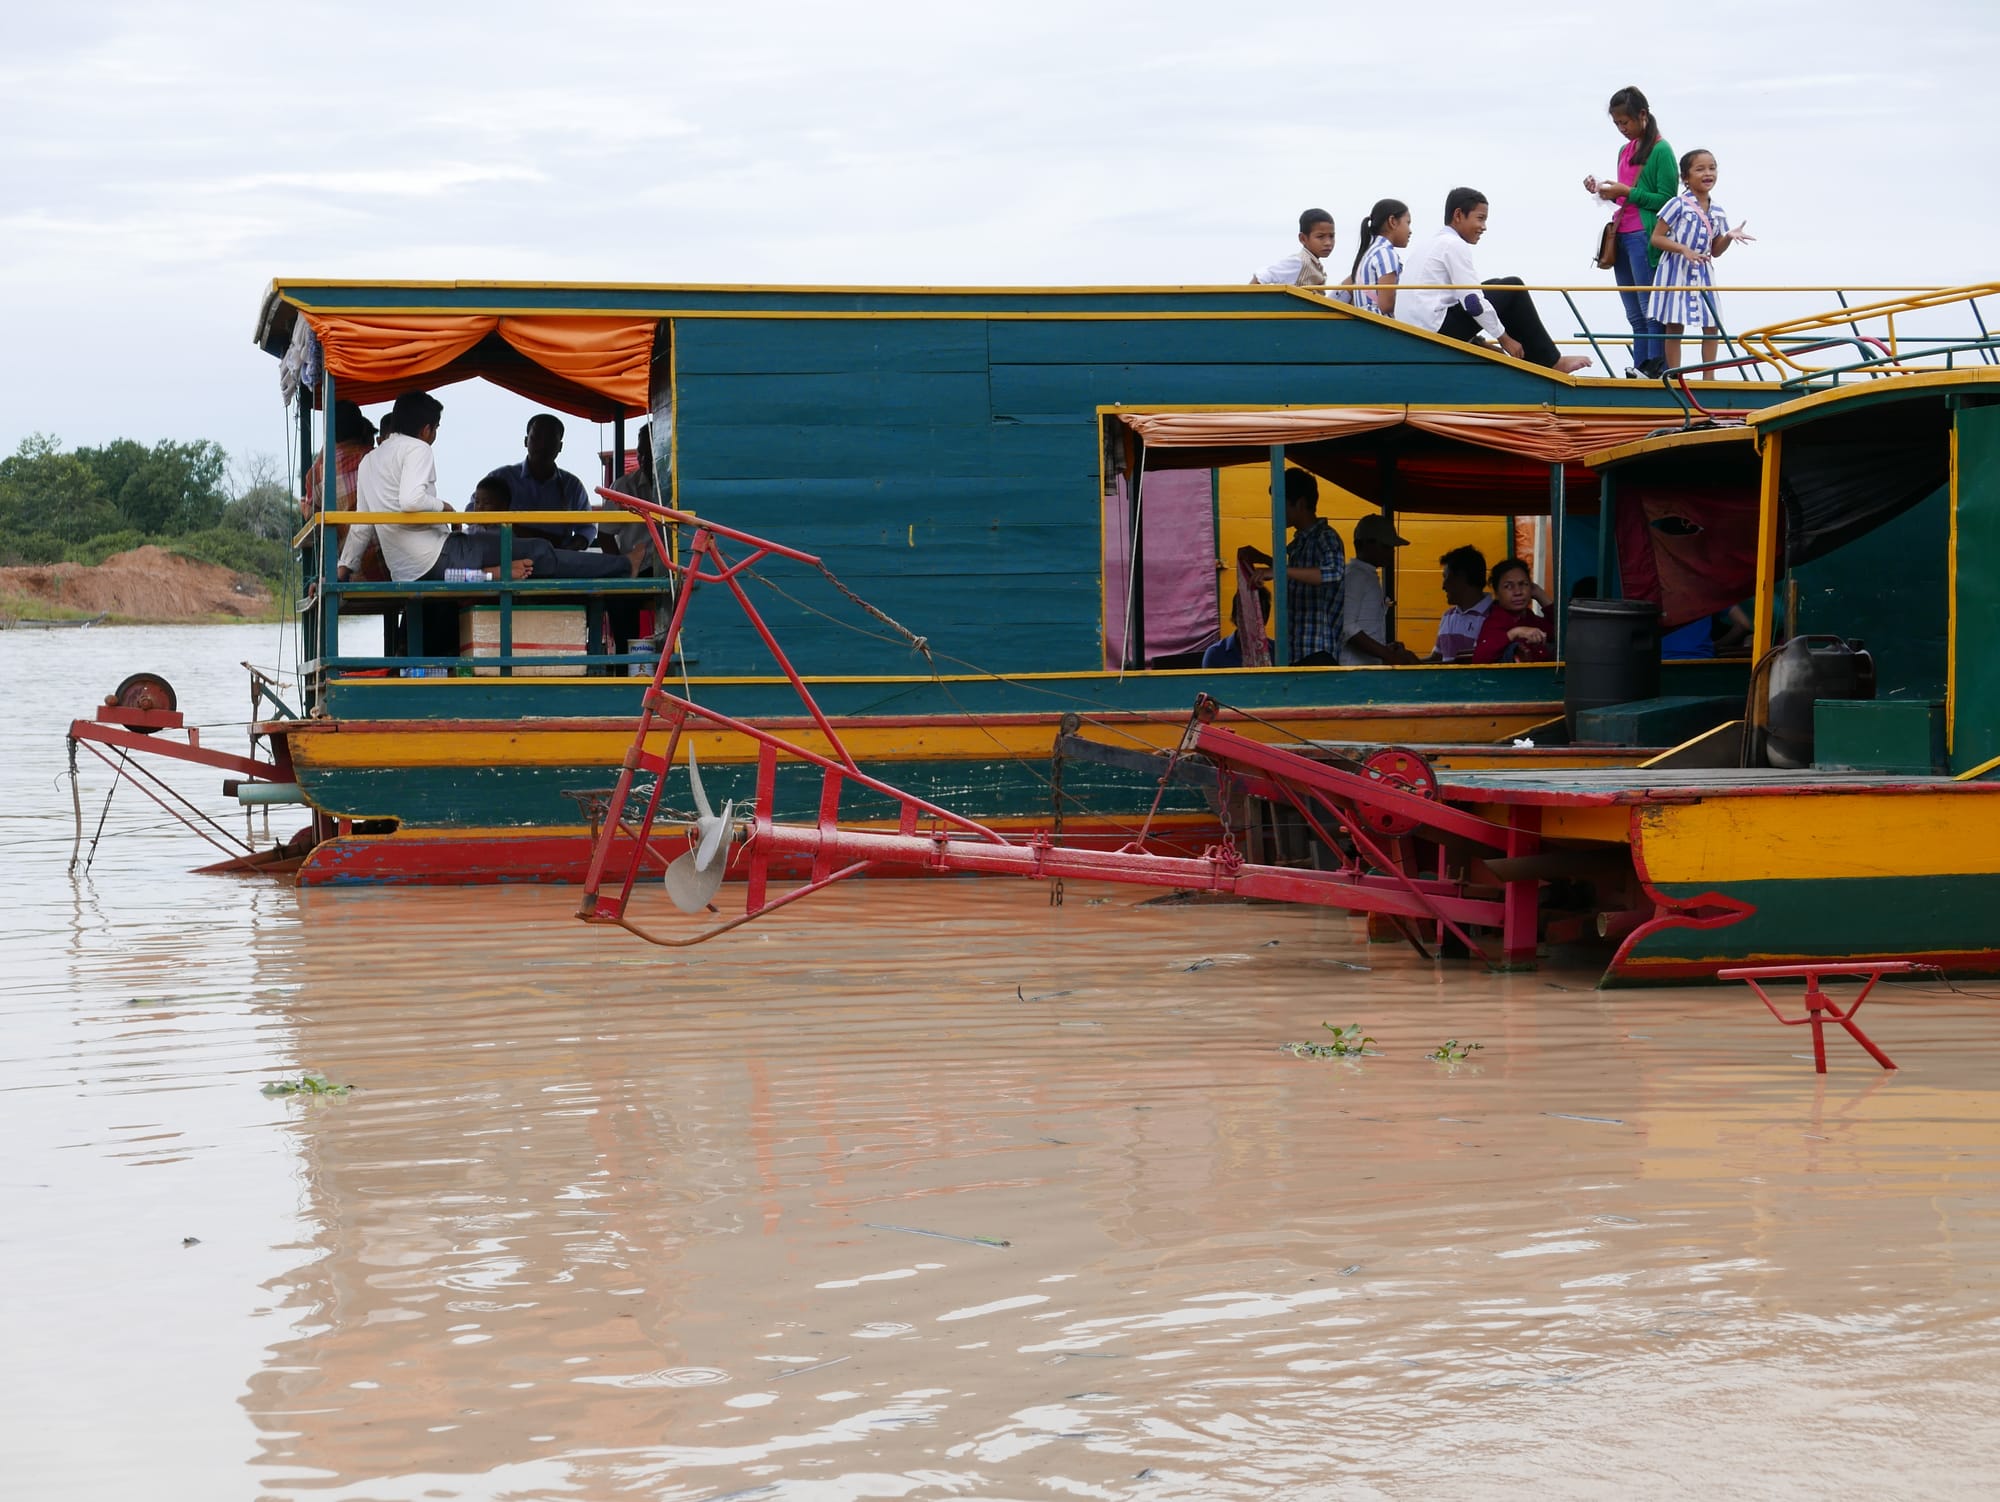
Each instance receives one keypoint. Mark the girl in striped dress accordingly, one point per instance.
(1690, 233)
(1378, 262)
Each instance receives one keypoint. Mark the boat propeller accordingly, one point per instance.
(694, 877)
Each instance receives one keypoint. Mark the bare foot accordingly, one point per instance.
(1570, 364)
(523, 567)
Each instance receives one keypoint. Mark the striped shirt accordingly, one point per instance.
(1383, 259)
(1458, 632)
(1312, 611)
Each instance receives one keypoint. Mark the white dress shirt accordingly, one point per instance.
(1363, 608)
(1446, 258)
(398, 475)
(1299, 269)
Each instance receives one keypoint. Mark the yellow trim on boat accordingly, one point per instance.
(1911, 384)
(522, 745)
(1868, 833)
(1691, 438)
(1767, 548)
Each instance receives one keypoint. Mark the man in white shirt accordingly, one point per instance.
(1306, 266)
(1504, 310)
(400, 474)
(1364, 608)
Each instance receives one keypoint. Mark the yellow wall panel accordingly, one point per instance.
(1245, 514)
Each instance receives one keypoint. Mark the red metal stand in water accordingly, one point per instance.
(1351, 812)
(1821, 1008)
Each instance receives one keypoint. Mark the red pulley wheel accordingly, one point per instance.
(145, 691)
(1405, 771)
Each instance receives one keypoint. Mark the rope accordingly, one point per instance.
(110, 793)
(920, 643)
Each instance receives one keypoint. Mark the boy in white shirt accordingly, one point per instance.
(1505, 310)
(1306, 266)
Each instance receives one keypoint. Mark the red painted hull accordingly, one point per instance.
(460, 860)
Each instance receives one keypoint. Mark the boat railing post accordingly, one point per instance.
(1584, 329)
(506, 583)
(1387, 469)
(305, 568)
(330, 538)
(1281, 649)
(1559, 590)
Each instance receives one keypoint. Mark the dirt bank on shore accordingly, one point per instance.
(148, 585)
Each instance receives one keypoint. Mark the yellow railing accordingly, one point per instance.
(461, 519)
(1764, 341)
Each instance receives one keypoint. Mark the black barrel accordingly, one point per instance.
(1611, 655)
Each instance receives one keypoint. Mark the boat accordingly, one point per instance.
(33, 623)
(1008, 506)
(1848, 824)
(987, 469)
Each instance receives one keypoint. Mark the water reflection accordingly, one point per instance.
(600, 1221)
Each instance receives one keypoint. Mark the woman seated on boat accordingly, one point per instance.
(1514, 631)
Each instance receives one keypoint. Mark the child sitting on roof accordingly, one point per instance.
(1306, 266)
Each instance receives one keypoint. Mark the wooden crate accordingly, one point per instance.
(539, 631)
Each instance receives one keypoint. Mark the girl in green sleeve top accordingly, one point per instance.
(1648, 176)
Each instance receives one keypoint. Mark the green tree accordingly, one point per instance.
(168, 489)
(45, 490)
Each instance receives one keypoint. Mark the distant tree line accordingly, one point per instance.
(83, 505)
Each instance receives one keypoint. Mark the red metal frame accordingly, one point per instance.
(1368, 879)
(1821, 1008)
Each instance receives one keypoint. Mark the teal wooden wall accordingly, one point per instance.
(940, 449)
(947, 468)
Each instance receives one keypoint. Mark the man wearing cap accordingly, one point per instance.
(1364, 610)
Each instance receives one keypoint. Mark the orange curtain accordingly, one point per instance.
(589, 367)
(395, 349)
(1540, 434)
(610, 356)
(1258, 429)
(1550, 437)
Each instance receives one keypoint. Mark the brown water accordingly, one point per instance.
(600, 1221)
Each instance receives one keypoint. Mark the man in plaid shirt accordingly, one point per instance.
(1315, 567)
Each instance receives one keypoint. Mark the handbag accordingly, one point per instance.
(1607, 245)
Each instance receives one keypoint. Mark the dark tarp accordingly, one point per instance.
(1840, 480)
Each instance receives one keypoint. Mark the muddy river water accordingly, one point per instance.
(931, 1190)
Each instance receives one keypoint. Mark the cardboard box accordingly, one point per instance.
(539, 631)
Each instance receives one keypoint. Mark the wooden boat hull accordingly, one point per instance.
(1737, 868)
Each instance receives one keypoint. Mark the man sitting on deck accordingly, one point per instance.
(1364, 611)
(400, 474)
(537, 485)
(492, 494)
(1315, 566)
(1466, 602)
(1506, 311)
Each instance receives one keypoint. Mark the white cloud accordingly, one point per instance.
(166, 161)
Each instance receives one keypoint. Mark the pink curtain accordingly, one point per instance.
(1177, 514)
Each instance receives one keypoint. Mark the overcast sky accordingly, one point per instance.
(164, 161)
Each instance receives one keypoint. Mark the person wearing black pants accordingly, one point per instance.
(1435, 292)
(1518, 318)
